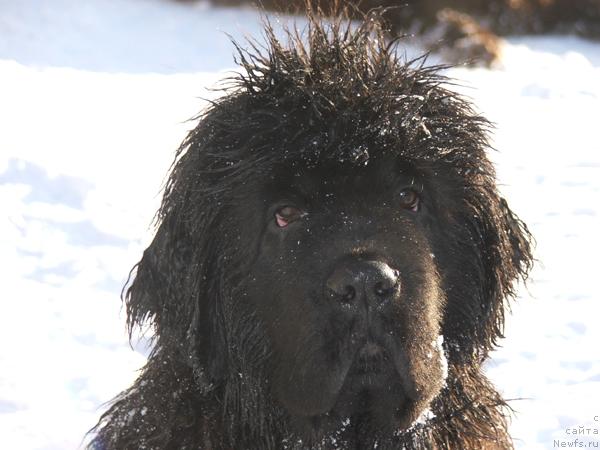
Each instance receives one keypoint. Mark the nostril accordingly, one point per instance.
(353, 278)
(386, 285)
(344, 294)
(383, 289)
(380, 289)
(349, 293)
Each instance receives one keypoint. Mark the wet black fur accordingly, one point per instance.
(205, 385)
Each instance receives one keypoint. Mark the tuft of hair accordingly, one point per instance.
(337, 90)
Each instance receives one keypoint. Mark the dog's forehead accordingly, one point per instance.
(339, 179)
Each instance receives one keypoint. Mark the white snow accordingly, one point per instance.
(93, 101)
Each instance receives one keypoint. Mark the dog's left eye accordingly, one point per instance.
(286, 215)
(409, 199)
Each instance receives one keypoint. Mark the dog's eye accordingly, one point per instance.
(286, 215)
(409, 199)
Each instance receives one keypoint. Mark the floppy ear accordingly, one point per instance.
(489, 250)
(153, 279)
(509, 260)
(519, 242)
(175, 288)
(503, 245)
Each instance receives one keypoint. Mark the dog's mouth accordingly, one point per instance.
(375, 381)
(375, 386)
(372, 366)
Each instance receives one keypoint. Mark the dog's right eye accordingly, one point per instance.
(286, 215)
(409, 199)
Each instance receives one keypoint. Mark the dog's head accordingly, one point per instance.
(330, 221)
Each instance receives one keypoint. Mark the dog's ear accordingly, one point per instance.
(507, 259)
(504, 243)
(490, 251)
(518, 244)
(175, 287)
(156, 281)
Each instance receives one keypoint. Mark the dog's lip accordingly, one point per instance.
(371, 360)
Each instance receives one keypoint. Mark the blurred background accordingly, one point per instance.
(94, 100)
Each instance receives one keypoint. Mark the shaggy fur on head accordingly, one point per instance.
(254, 347)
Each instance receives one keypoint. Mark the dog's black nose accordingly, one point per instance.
(355, 278)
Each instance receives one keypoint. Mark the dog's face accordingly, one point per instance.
(344, 279)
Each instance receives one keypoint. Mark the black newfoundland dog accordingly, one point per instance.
(331, 265)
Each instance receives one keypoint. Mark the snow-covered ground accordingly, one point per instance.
(93, 101)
